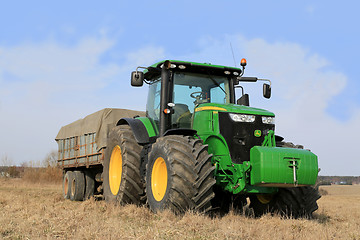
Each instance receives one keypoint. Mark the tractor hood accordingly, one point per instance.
(233, 108)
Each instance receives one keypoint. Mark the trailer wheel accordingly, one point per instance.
(77, 188)
(89, 184)
(179, 175)
(122, 182)
(67, 184)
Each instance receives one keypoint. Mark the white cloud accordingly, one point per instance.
(47, 85)
(146, 56)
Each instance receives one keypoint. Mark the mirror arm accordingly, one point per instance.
(140, 67)
(265, 80)
(242, 89)
(137, 75)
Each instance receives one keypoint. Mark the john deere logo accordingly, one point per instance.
(257, 133)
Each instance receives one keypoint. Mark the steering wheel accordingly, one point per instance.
(199, 96)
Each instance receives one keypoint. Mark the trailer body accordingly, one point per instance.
(81, 144)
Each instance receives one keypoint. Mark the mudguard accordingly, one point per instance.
(143, 130)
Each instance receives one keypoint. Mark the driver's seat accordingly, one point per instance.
(181, 116)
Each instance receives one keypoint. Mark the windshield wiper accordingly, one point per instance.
(217, 84)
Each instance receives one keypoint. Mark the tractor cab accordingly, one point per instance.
(177, 88)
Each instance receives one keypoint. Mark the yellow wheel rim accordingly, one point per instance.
(115, 170)
(159, 179)
(264, 198)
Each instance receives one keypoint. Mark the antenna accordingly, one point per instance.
(232, 51)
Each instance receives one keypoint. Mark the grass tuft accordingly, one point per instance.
(42, 175)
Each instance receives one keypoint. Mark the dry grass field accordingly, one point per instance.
(38, 211)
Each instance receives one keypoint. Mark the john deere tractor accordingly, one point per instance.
(198, 148)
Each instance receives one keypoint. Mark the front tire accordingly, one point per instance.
(296, 202)
(225, 201)
(121, 174)
(179, 175)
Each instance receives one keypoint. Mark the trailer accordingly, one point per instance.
(81, 146)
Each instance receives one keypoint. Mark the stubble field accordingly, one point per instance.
(38, 211)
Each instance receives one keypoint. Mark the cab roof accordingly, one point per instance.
(193, 67)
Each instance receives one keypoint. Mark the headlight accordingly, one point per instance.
(268, 120)
(242, 117)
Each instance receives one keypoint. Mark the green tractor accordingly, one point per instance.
(200, 149)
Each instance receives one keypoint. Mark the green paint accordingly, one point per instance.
(151, 128)
(273, 165)
(269, 140)
(268, 167)
(234, 108)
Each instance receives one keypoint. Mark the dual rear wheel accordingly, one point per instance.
(78, 185)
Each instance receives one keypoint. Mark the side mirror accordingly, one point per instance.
(137, 79)
(244, 100)
(266, 90)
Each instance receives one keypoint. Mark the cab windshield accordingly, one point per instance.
(190, 90)
(194, 89)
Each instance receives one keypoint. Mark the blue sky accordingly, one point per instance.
(62, 61)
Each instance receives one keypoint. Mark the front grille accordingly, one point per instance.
(240, 137)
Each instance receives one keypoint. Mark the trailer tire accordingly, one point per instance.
(122, 181)
(179, 175)
(68, 176)
(89, 184)
(77, 188)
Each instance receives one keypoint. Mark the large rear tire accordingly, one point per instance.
(179, 175)
(121, 175)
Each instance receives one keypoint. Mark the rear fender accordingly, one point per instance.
(142, 128)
